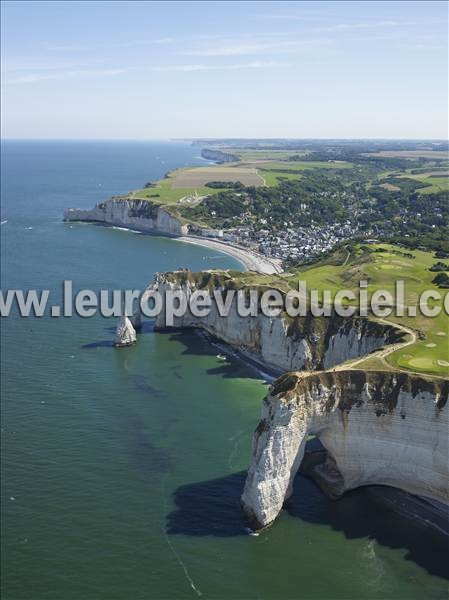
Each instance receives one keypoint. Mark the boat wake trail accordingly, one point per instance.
(174, 552)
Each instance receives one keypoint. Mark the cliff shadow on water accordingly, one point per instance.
(209, 508)
(212, 508)
(374, 513)
(199, 343)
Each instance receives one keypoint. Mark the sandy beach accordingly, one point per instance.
(252, 261)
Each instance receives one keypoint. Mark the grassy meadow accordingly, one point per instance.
(168, 191)
(434, 184)
(252, 155)
(257, 170)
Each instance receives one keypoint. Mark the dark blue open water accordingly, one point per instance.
(122, 469)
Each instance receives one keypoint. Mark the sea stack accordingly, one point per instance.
(125, 334)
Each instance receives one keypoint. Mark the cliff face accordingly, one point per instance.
(218, 156)
(135, 214)
(377, 427)
(282, 343)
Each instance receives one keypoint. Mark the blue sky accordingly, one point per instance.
(142, 70)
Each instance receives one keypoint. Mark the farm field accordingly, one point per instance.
(163, 192)
(436, 182)
(273, 172)
(192, 181)
(199, 176)
(436, 154)
(298, 165)
(272, 178)
(255, 155)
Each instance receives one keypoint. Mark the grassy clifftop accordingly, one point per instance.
(380, 265)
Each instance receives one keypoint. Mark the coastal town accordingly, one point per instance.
(271, 216)
(293, 244)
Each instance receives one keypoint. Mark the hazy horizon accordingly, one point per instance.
(164, 70)
(203, 138)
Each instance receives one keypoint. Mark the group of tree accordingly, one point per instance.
(225, 185)
(439, 266)
(302, 202)
(441, 280)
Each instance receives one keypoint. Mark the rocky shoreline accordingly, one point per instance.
(145, 217)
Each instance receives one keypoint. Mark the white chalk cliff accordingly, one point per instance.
(125, 334)
(281, 343)
(377, 427)
(140, 215)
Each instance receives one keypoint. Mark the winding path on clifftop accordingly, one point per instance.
(385, 351)
(381, 354)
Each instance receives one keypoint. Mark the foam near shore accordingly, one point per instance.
(252, 261)
(142, 216)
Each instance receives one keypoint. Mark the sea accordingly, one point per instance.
(122, 468)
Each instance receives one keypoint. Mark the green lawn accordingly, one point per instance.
(272, 172)
(272, 177)
(164, 191)
(250, 155)
(168, 195)
(435, 184)
(302, 165)
(382, 269)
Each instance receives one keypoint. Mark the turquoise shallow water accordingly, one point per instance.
(122, 469)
